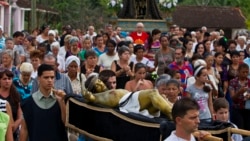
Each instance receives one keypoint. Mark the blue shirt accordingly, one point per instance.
(23, 90)
(2, 43)
(247, 61)
(98, 52)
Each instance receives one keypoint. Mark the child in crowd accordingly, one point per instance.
(201, 93)
(86, 45)
(221, 112)
(9, 43)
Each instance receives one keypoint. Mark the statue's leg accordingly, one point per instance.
(156, 101)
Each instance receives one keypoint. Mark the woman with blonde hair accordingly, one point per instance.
(24, 82)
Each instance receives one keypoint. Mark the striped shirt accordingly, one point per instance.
(3, 104)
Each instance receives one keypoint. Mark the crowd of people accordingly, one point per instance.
(38, 69)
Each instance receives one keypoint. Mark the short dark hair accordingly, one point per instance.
(182, 106)
(111, 42)
(183, 50)
(230, 41)
(90, 53)
(234, 53)
(138, 47)
(243, 66)
(105, 75)
(98, 36)
(8, 39)
(163, 36)
(220, 103)
(122, 49)
(44, 67)
(139, 66)
(42, 45)
(173, 82)
(17, 34)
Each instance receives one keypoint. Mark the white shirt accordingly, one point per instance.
(34, 74)
(61, 62)
(238, 48)
(62, 52)
(173, 137)
(39, 39)
(144, 61)
(105, 61)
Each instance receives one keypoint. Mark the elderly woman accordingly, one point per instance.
(55, 47)
(7, 62)
(77, 79)
(24, 82)
(160, 85)
(74, 50)
(64, 49)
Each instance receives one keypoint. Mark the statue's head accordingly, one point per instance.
(95, 85)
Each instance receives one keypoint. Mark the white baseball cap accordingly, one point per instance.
(1, 28)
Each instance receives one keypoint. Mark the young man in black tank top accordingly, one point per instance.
(44, 113)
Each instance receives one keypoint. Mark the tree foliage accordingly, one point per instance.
(81, 13)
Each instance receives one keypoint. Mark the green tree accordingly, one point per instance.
(81, 13)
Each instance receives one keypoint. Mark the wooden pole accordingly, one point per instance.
(33, 14)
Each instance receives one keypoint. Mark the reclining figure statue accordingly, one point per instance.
(145, 102)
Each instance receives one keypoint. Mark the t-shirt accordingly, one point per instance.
(105, 60)
(39, 39)
(202, 99)
(62, 52)
(144, 61)
(19, 49)
(23, 90)
(164, 59)
(173, 137)
(2, 43)
(98, 52)
(3, 104)
(4, 122)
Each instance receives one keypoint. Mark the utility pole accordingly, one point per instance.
(33, 14)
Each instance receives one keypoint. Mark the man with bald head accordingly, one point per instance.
(139, 35)
(90, 33)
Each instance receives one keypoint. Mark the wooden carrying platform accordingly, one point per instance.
(106, 124)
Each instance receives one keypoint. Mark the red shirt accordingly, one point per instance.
(139, 39)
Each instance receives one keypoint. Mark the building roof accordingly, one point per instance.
(212, 17)
(42, 8)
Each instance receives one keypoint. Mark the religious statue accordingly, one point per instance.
(145, 102)
(139, 9)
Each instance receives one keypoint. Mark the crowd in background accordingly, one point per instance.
(202, 64)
